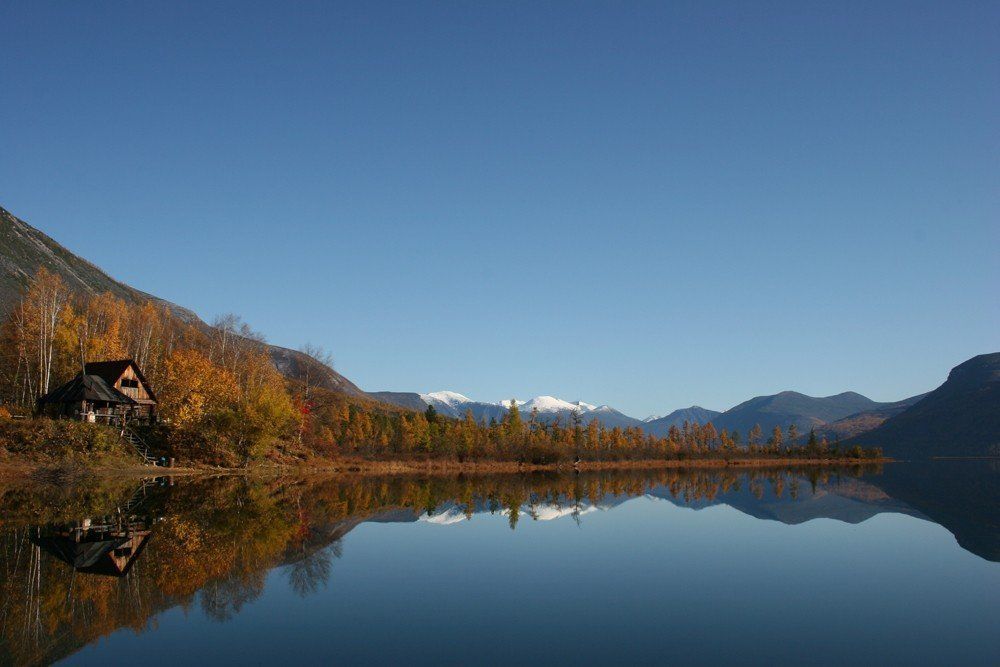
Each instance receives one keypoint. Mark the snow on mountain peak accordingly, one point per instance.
(553, 404)
(447, 397)
(454, 404)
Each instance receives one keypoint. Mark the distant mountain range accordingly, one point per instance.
(790, 407)
(549, 408)
(837, 417)
(960, 418)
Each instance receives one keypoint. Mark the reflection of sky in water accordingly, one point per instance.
(646, 581)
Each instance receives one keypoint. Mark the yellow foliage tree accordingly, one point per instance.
(193, 387)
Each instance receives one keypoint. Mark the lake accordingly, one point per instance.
(892, 565)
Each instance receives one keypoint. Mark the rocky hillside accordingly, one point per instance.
(959, 418)
(24, 249)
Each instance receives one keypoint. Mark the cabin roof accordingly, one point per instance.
(109, 370)
(112, 371)
(86, 388)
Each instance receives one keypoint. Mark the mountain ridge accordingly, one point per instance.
(694, 414)
(25, 249)
(791, 407)
(959, 418)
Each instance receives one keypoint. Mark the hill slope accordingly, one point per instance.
(677, 418)
(24, 249)
(861, 422)
(790, 407)
(959, 418)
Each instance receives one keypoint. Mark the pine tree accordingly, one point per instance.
(515, 426)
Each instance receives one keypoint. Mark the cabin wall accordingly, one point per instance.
(130, 385)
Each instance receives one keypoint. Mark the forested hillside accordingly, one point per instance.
(25, 250)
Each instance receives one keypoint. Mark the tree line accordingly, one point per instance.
(223, 401)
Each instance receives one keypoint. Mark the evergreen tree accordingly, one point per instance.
(430, 414)
(514, 424)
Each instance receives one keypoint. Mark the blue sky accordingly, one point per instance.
(643, 204)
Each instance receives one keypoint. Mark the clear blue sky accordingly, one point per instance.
(643, 204)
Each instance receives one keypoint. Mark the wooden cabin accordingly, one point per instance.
(125, 376)
(111, 391)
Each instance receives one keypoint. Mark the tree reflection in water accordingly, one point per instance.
(212, 541)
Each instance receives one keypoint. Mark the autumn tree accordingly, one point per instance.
(38, 320)
(193, 387)
(776, 438)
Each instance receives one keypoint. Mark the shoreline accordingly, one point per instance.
(72, 469)
(513, 467)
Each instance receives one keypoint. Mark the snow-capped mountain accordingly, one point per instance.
(453, 404)
(551, 405)
(447, 401)
(549, 408)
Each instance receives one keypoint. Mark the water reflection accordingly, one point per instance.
(81, 560)
(107, 544)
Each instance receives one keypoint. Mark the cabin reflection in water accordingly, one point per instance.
(96, 548)
(108, 544)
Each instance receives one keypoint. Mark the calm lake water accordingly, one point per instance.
(763, 567)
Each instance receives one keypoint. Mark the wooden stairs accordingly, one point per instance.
(138, 444)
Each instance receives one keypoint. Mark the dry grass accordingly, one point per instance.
(450, 466)
(10, 471)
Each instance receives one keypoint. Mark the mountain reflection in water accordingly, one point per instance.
(79, 561)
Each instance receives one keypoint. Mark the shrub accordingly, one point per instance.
(58, 439)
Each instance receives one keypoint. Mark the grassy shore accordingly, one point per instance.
(448, 467)
(124, 468)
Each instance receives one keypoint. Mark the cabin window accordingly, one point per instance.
(128, 382)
